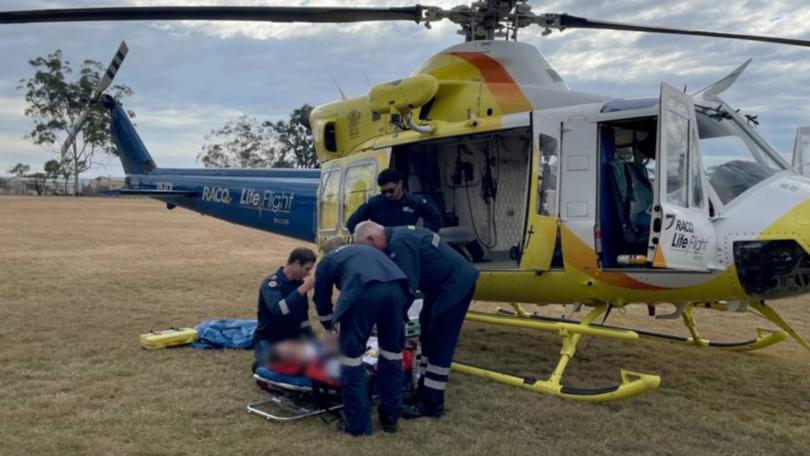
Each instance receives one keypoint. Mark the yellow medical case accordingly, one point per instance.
(168, 338)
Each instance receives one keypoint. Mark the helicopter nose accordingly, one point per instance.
(776, 263)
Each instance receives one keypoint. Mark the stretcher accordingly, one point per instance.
(294, 397)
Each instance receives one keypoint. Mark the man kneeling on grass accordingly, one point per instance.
(283, 307)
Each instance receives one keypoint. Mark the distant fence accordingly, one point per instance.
(32, 186)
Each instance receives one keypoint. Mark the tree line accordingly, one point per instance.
(56, 97)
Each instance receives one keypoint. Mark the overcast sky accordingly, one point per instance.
(190, 77)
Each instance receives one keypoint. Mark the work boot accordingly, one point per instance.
(419, 410)
(341, 427)
(388, 425)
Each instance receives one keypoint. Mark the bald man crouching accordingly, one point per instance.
(447, 281)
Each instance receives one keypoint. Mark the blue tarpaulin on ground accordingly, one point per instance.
(225, 334)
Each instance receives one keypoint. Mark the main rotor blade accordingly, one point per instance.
(205, 13)
(109, 75)
(102, 85)
(563, 21)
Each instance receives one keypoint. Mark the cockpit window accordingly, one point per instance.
(732, 161)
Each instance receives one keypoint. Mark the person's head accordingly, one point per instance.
(390, 182)
(299, 263)
(370, 233)
(332, 243)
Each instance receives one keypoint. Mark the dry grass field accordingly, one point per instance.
(80, 279)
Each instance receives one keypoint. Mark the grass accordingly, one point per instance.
(80, 279)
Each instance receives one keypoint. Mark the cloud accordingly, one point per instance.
(11, 108)
(189, 77)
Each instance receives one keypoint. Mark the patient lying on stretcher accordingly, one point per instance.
(319, 360)
(316, 360)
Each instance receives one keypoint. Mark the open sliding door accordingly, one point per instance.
(542, 213)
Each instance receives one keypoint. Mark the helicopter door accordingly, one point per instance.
(542, 215)
(347, 183)
(682, 235)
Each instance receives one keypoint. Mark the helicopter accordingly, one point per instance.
(556, 196)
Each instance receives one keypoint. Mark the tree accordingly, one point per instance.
(40, 181)
(54, 104)
(248, 143)
(240, 143)
(66, 172)
(53, 169)
(295, 137)
(19, 170)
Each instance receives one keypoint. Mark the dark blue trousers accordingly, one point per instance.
(439, 336)
(261, 352)
(383, 304)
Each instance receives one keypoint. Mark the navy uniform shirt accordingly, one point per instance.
(405, 211)
(282, 310)
(350, 268)
(431, 265)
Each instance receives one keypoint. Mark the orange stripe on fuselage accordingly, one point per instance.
(506, 91)
(582, 258)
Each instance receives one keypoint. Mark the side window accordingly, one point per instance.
(677, 166)
(328, 204)
(696, 187)
(549, 164)
(358, 186)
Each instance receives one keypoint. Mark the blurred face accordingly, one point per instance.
(392, 190)
(298, 271)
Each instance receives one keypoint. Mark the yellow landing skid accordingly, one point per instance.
(767, 312)
(632, 383)
(764, 338)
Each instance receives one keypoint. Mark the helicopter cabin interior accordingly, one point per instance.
(480, 184)
(626, 183)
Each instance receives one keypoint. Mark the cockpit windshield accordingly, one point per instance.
(732, 161)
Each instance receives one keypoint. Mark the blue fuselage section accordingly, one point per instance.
(280, 201)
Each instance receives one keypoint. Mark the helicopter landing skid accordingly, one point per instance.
(632, 383)
(764, 337)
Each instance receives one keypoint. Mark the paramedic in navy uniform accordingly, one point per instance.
(447, 281)
(372, 290)
(394, 206)
(283, 305)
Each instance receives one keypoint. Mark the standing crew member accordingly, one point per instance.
(282, 312)
(372, 291)
(447, 281)
(394, 206)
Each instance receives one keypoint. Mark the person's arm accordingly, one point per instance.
(306, 329)
(273, 299)
(359, 215)
(407, 258)
(323, 293)
(432, 218)
(298, 302)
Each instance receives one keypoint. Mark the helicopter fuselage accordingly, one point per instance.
(556, 196)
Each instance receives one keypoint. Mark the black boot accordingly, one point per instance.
(420, 409)
(388, 425)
